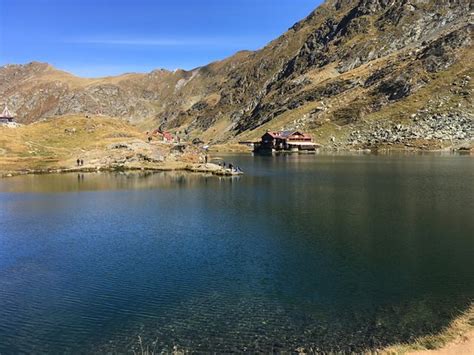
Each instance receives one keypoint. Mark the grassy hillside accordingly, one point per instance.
(59, 141)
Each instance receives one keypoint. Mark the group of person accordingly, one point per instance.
(223, 165)
(80, 162)
(231, 167)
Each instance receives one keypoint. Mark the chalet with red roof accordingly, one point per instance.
(285, 141)
(164, 135)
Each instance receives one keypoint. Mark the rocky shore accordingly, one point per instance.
(209, 168)
(454, 129)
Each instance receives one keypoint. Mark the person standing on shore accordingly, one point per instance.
(82, 162)
(78, 162)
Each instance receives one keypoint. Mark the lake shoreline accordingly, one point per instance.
(208, 168)
(211, 168)
(456, 338)
(239, 148)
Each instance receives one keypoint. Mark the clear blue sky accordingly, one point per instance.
(108, 37)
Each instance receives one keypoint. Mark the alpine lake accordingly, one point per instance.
(315, 252)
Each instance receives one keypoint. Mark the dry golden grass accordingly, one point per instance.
(456, 338)
(55, 141)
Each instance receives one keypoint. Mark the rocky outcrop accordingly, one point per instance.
(454, 128)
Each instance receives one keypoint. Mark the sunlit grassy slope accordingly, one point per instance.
(57, 140)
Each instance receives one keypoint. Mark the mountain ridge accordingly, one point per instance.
(349, 66)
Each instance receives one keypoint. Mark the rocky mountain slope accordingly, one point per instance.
(355, 73)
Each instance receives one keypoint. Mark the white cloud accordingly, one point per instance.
(168, 42)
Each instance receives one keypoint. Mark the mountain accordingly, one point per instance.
(355, 73)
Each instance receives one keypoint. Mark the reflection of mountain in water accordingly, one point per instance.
(109, 181)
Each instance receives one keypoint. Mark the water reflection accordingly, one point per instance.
(108, 181)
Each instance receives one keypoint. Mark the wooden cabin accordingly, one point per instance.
(285, 141)
(164, 135)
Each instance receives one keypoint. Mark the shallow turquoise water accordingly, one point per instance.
(321, 252)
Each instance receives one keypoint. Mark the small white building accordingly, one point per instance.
(6, 116)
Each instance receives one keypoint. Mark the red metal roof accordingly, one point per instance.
(288, 134)
(166, 135)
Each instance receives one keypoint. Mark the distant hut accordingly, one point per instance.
(6, 116)
(165, 135)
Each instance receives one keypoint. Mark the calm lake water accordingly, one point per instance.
(321, 252)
